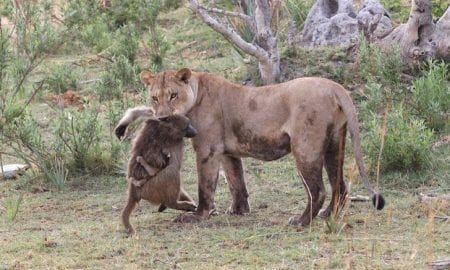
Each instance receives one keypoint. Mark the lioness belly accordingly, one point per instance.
(247, 143)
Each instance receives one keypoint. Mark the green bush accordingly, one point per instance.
(407, 141)
(397, 10)
(126, 43)
(384, 67)
(97, 34)
(431, 94)
(79, 132)
(119, 76)
(298, 9)
(61, 78)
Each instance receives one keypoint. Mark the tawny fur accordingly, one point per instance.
(155, 163)
(307, 117)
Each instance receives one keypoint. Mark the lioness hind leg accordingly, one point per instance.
(311, 174)
(334, 162)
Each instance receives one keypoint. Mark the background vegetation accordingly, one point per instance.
(68, 72)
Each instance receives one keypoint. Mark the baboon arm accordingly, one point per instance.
(152, 171)
(130, 116)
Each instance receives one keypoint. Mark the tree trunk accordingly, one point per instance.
(264, 47)
(270, 67)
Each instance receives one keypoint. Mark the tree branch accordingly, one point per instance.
(248, 19)
(229, 33)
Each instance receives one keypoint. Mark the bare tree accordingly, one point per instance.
(420, 38)
(264, 45)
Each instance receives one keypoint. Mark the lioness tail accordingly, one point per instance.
(352, 123)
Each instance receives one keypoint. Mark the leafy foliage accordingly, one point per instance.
(407, 141)
(298, 9)
(431, 94)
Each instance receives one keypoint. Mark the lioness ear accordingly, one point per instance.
(184, 74)
(146, 77)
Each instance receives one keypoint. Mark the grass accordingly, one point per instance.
(80, 229)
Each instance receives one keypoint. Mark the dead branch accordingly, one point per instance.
(440, 264)
(248, 19)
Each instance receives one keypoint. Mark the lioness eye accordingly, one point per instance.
(155, 98)
(173, 96)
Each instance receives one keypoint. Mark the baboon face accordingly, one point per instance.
(176, 127)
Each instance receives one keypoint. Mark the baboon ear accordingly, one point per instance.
(184, 74)
(146, 77)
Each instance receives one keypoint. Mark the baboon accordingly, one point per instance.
(155, 163)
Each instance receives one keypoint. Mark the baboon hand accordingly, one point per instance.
(120, 131)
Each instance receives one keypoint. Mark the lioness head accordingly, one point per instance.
(172, 92)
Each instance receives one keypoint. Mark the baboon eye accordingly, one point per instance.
(173, 96)
(155, 98)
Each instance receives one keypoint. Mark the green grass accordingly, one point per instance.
(80, 228)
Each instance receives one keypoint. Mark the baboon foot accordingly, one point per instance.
(239, 208)
(130, 232)
(162, 207)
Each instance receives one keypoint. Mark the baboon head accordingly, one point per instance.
(172, 128)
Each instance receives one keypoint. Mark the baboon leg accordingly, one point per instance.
(334, 162)
(149, 169)
(126, 212)
(184, 196)
(236, 183)
(182, 205)
(310, 170)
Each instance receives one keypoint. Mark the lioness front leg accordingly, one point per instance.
(234, 173)
(208, 173)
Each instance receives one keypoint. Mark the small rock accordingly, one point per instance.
(11, 171)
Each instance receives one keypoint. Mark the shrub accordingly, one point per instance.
(96, 34)
(126, 43)
(298, 9)
(431, 94)
(396, 8)
(61, 78)
(118, 76)
(375, 64)
(407, 141)
(79, 132)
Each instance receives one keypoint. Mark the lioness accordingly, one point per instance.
(307, 116)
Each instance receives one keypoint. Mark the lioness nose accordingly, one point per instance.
(163, 112)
